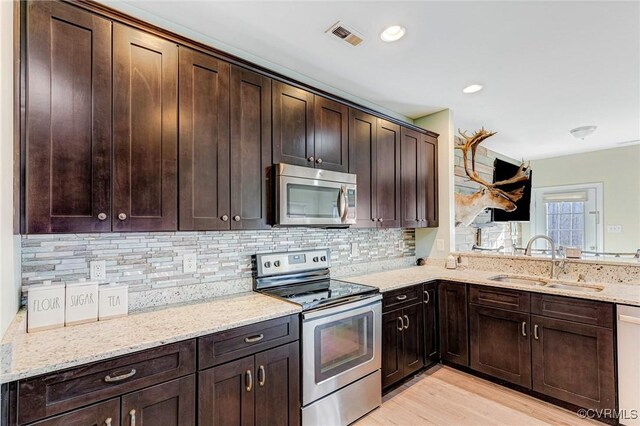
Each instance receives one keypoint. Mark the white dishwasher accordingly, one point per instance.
(629, 364)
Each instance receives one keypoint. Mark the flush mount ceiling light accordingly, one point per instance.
(583, 131)
(393, 33)
(472, 88)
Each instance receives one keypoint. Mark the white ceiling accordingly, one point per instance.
(547, 67)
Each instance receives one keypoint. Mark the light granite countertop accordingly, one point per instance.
(24, 355)
(623, 293)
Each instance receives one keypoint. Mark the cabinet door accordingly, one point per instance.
(429, 175)
(388, 174)
(430, 313)
(500, 344)
(331, 145)
(412, 187)
(68, 120)
(145, 88)
(278, 386)
(293, 125)
(574, 362)
(169, 404)
(250, 149)
(392, 357)
(362, 161)
(102, 414)
(452, 314)
(412, 339)
(225, 394)
(204, 142)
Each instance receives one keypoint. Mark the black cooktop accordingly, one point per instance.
(324, 292)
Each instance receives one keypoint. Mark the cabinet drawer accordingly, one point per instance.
(242, 341)
(572, 309)
(55, 393)
(103, 413)
(512, 300)
(401, 297)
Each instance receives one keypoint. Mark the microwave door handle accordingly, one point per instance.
(342, 204)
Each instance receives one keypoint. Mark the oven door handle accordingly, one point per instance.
(353, 302)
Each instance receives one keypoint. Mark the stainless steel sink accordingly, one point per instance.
(575, 287)
(514, 279)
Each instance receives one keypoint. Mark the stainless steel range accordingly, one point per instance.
(341, 334)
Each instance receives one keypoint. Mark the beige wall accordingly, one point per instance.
(426, 239)
(619, 171)
(9, 280)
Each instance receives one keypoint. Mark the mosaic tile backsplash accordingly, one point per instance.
(150, 261)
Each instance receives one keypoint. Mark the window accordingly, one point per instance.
(565, 223)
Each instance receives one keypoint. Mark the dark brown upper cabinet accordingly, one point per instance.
(388, 174)
(68, 120)
(145, 87)
(250, 149)
(309, 130)
(374, 153)
(429, 172)
(293, 125)
(418, 175)
(412, 186)
(331, 135)
(204, 142)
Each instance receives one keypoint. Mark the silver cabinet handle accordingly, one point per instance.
(107, 422)
(262, 376)
(524, 329)
(310, 159)
(629, 319)
(224, 218)
(342, 203)
(374, 219)
(379, 219)
(132, 417)
(122, 216)
(319, 161)
(535, 332)
(401, 324)
(426, 293)
(254, 339)
(401, 297)
(236, 218)
(102, 216)
(249, 381)
(119, 378)
(407, 325)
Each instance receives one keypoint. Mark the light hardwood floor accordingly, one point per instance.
(448, 397)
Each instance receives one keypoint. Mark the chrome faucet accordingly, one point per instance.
(527, 252)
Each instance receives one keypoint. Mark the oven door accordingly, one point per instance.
(339, 346)
(303, 201)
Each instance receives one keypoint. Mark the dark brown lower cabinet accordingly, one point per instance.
(261, 389)
(500, 344)
(402, 343)
(168, 404)
(574, 362)
(430, 314)
(452, 308)
(103, 413)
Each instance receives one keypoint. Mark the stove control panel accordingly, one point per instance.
(289, 262)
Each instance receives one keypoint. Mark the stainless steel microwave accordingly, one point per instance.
(314, 197)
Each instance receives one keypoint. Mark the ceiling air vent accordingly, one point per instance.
(345, 33)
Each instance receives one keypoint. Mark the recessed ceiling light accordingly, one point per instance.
(583, 131)
(472, 88)
(393, 33)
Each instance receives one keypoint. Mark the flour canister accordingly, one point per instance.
(45, 306)
(82, 303)
(114, 301)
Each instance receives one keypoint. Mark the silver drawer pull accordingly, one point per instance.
(426, 293)
(401, 297)
(107, 422)
(535, 332)
(262, 376)
(254, 339)
(248, 380)
(121, 377)
(524, 329)
(401, 325)
(406, 325)
(132, 417)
